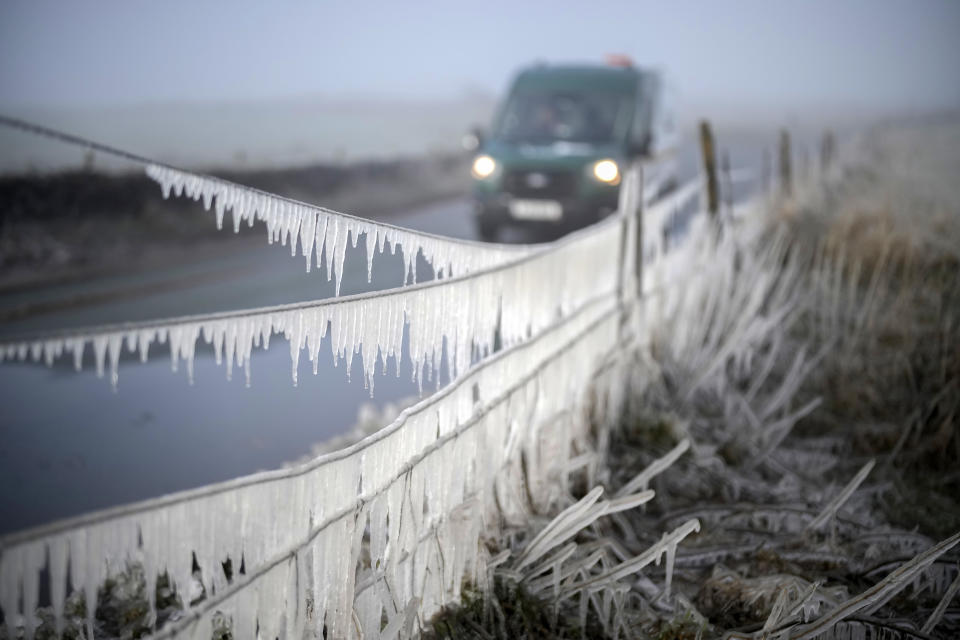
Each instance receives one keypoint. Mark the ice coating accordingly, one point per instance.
(424, 488)
(321, 231)
(421, 488)
(465, 314)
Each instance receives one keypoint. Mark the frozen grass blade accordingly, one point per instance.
(541, 543)
(776, 612)
(937, 614)
(664, 545)
(574, 519)
(557, 558)
(834, 505)
(642, 479)
(780, 429)
(877, 595)
(623, 503)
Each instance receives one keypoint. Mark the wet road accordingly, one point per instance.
(69, 444)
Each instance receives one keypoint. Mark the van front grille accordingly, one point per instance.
(540, 184)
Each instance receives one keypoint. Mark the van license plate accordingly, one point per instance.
(536, 209)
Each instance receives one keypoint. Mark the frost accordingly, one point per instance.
(321, 231)
(666, 545)
(941, 608)
(465, 314)
(642, 480)
(386, 530)
(877, 595)
(422, 487)
(830, 511)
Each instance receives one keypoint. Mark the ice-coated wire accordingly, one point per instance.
(211, 603)
(29, 127)
(318, 230)
(510, 397)
(516, 299)
(240, 313)
(19, 537)
(597, 313)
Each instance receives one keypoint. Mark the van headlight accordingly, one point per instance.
(606, 171)
(483, 167)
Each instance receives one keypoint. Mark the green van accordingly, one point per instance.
(559, 144)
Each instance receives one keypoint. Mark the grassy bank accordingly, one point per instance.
(808, 385)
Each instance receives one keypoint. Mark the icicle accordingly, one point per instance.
(114, 344)
(308, 236)
(410, 487)
(51, 350)
(371, 243)
(285, 220)
(331, 233)
(340, 253)
(99, 352)
(10, 581)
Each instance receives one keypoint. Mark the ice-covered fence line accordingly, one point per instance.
(319, 231)
(326, 233)
(516, 300)
(662, 210)
(298, 531)
(521, 421)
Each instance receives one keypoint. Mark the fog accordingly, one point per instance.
(292, 83)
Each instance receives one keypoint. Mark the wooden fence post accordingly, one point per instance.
(828, 147)
(765, 173)
(709, 167)
(625, 209)
(630, 206)
(786, 174)
(727, 183)
(638, 230)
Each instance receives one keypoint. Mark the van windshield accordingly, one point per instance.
(563, 115)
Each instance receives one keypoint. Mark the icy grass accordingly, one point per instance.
(799, 400)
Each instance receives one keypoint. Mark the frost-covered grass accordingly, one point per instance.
(784, 463)
(507, 610)
(815, 372)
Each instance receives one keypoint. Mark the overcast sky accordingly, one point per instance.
(889, 54)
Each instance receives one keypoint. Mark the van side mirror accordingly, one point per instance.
(473, 140)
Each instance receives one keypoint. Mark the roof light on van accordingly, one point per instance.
(618, 60)
(483, 166)
(606, 171)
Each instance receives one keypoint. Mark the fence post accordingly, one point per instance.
(727, 183)
(765, 173)
(786, 177)
(638, 229)
(827, 148)
(630, 206)
(623, 208)
(709, 166)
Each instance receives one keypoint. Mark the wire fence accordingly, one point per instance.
(372, 540)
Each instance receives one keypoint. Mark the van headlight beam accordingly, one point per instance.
(483, 167)
(606, 171)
